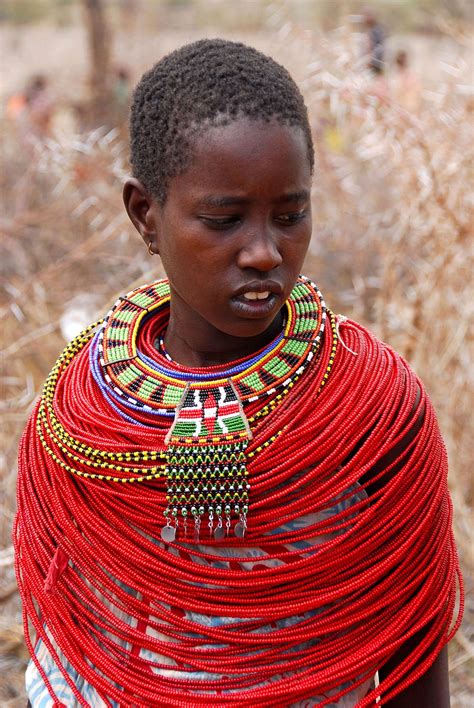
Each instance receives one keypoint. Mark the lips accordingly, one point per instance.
(259, 289)
(257, 299)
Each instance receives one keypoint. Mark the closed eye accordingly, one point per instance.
(292, 217)
(220, 222)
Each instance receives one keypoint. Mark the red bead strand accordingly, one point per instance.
(375, 573)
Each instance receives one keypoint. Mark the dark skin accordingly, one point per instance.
(246, 233)
(238, 222)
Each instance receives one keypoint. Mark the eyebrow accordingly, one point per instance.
(216, 201)
(301, 196)
(213, 200)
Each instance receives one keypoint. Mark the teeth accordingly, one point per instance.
(257, 296)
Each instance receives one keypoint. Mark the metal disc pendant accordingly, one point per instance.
(239, 529)
(168, 534)
(219, 533)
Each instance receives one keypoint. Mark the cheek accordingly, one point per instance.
(195, 269)
(295, 247)
(179, 253)
(210, 259)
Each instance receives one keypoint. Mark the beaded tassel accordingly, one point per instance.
(206, 464)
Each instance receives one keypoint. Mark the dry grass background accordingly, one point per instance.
(391, 248)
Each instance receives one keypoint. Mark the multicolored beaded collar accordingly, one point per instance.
(206, 444)
(128, 376)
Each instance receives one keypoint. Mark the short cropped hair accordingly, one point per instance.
(204, 84)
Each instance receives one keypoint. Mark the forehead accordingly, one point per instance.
(248, 156)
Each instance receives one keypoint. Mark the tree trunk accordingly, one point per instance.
(99, 41)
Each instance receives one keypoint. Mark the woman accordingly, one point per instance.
(221, 499)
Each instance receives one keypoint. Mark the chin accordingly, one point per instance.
(249, 328)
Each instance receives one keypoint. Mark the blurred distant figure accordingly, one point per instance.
(32, 110)
(39, 106)
(377, 86)
(16, 104)
(375, 42)
(406, 86)
(121, 92)
(328, 133)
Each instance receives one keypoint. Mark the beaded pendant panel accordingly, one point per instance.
(137, 382)
(205, 463)
(206, 416)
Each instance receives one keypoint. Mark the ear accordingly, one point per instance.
(143, 212)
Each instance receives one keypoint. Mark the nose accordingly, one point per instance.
(260, 252)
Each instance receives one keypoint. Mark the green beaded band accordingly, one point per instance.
(159, 390)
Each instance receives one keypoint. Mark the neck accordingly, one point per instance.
(204, 346)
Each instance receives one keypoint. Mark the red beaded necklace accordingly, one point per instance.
(374, 573)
